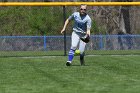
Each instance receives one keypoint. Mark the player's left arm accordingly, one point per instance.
(88, 26)
(88, 31)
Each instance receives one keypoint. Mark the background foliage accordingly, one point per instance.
(30, 20)
(49, 20)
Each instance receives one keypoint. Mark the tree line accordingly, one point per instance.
(49, 20)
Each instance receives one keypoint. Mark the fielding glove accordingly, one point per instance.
(85, 38)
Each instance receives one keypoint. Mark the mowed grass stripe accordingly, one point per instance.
(102, 74)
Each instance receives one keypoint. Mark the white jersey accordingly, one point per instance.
(81, 23)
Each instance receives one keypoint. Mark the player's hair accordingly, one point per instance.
(83, 5)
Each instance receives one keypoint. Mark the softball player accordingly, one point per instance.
(82, 26)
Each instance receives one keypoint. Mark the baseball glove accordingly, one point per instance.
(85, 38)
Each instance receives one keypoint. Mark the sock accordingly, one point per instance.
(71, 55)
(82, 56)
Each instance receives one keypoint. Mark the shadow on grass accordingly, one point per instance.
(80, 65)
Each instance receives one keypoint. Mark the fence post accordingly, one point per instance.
(64, 18)
(101, 42)
(45, 43)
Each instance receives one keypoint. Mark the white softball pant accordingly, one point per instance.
(75, 41)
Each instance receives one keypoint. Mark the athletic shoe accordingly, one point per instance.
(68, 64)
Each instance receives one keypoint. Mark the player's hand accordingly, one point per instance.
(62, 31)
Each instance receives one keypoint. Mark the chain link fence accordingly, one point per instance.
(35, 31)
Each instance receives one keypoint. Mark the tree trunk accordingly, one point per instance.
(125, 18)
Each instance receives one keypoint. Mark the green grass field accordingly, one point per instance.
(61, 53)
(102, 74)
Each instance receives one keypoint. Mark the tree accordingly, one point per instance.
(125, 17)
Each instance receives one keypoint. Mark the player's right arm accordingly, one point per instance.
(67, 22)
(65, 25)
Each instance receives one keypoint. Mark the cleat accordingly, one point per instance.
(68, 64)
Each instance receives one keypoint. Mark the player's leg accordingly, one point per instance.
(74, 43)
(82, 53)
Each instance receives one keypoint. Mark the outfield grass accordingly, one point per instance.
(102, 74)
(61, 53)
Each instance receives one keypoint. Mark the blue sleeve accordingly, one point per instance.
(71, 17)
(89, 23)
